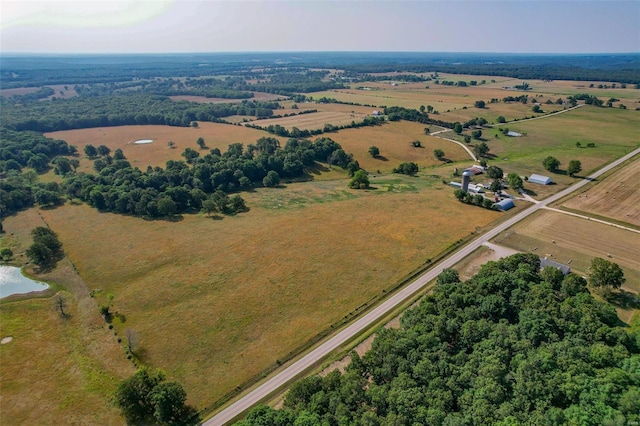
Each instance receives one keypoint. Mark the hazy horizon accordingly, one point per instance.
(198, 27)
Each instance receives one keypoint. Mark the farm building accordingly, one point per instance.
(542, 180)
(544, 262)
(476, 189)
(504, 205)
(475, 169)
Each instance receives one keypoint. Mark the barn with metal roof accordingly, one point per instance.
(542, 180)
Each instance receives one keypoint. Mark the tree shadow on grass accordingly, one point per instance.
(623, 299)
(317, 169)
(381, 158)
(529, 192)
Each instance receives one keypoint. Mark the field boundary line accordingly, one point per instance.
(592, 219)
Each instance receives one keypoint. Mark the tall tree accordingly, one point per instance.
(575, 166)
(551, 163)
(515, 181)
(605, 274)
(374, 151)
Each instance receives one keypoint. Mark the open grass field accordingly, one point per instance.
(216, 135)
(575, 241)
(394, 141)
(617, 197)
(613, 132)
(216, 302)
(55, 368)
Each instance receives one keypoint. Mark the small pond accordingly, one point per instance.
(13, 282)
(143, 141)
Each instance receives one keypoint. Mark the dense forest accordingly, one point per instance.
(511, 346)
(120, 110)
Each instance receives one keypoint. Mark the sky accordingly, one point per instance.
(173, 26)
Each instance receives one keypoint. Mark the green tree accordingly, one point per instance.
(39, 254)
(515, 181)
(90, 151)
(6, 254)
(605, 274)
(481, 149)
(494, 172)
(467, 139)
(479, 104)
(407, 168)
(438, 153)
(209, 206)
(46, 249)
(272, 179)
(190, 155)
(103, 150)
(166, 206)
(118, 155)
(147, 399)
(457, 127)
(201, 143)
(551, 163)
(360, 180)
(536, 109)
(501, 119)
(575, 166)
(476, 134)
(374, 151)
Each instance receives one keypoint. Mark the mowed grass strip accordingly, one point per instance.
(617, 197)
(216, 302)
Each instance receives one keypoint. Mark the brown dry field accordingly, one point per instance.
(617, 197)
(577, 241)
(394, 141)
(313, 121)
(257, 96)
(218, 301)
(18, 91)
(216, 135)
(56, 369)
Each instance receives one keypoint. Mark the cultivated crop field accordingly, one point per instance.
(575, 241)
(210, 296)
(617, 197)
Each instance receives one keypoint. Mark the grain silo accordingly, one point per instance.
(465, 181)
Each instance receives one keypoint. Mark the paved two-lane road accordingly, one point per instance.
(282, 378)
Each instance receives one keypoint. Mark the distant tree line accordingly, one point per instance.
(512, 345)
(119, 110)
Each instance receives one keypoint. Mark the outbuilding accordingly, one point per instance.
(505, 204)
(539, 179)
(544, 262)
